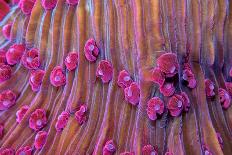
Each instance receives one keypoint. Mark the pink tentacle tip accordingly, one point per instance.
(6, 30)
(155, 106)
(149, 150)
(186, 101)
(177, 103)
(26, 150)
(57, 77)
(81, 115)
(124, 79)
(167, 89)
(40, 139)
(7, 99)
(105, 71)
(209, 88)
(62, 121)
(7, 151)
(49, 4)
(4, 9)
(1, 130)
(132, 93)
(3, 56)
(36, 79)
(71, 61)
(224, 98)
(158, 76)
(109, 148)
(38, 119)
(91, 50)
(5, 72)
(14, 54)
(30, 59)
(168, 64)
(26, 6)
(21, 112)
(188, 76)
(72, 2)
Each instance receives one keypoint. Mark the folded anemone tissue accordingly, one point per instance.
(115, 77)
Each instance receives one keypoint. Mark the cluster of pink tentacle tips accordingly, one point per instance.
(164, 75)
(29, 58)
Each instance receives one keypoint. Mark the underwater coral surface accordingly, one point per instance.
(123, 77)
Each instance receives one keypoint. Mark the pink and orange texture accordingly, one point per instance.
(115, 77)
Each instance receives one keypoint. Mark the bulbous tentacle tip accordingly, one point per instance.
(26, 150)
(38, 119)
(105, 71)
(71, 61)
(149, 150)
(58, 77)
(7, 151)
(5, 72)
(81, 114)
(14, 53)
(62, 121)
(72, 2)
(7, 99)
(49, 4)
(26, 6)
(124, 79)
(109, 148)
(91, 50)
(21, 112)
(40, 139)
(155, 106)
(30, 59)
(132, 93)
(168, 64)
(225, 98)
(6, 31)
(4, 9)
(209, 88)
